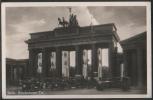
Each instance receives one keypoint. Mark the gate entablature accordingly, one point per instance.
(79, 35)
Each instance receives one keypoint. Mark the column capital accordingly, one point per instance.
(94, 45)
(58, 48)
(77, 47)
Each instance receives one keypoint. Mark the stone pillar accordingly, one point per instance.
(78, 60)
(139, 67)
(48, 53)
(45, 62)
(31, 68)
(125, 55)
(111, 59)
(68, 68)
(133, 68)
(11, 72)
(58, 62)
(115, 67)
(94, 60)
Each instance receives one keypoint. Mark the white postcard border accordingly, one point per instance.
(45, 4)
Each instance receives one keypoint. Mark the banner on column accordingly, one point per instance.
(39, 69)
(85, 64)
(53, 61)
(15, 73)
(99, 62)
(65, 63)
(105, 57)
(122, 70)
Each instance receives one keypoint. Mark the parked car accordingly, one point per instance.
(117, 82)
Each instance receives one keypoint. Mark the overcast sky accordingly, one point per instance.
(20, 21)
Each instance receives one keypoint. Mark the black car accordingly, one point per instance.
(117, 82)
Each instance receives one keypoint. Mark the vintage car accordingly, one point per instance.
(77, 82)
(117, 82)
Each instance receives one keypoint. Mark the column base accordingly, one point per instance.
(78, 75)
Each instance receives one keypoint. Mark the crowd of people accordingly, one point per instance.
(34, 84)
(56, 83)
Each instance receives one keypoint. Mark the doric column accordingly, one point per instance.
(125, 57)
(110, 58)
(78, 60)
(68, 67)
(48, 54)
(45, 62)
(139, 67)
(11, 72)
(133, 67)
(31, 67)
(58, 62)
(94, 60)
(115, 67)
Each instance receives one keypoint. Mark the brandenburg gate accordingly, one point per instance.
(45, 49)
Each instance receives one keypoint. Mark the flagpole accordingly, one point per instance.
(91, 24)
(70, 10)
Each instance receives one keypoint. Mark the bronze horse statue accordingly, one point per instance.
(64, 23)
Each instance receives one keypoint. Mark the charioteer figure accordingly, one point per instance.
(73, 22)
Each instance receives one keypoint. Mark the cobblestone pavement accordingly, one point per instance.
(84, 91)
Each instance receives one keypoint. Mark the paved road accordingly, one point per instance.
(84, 91)
(94, 91)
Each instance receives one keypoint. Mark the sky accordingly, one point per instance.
(20, 21)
